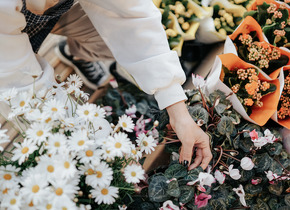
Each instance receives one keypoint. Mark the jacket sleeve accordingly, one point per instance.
(18, 62)
(133, 31)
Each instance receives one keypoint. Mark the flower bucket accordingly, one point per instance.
(249, 25)
(207, 32)
(258, 116)
(260, 2)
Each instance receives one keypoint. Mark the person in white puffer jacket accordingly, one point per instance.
(128, 30)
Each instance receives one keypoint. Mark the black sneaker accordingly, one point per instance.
(93, 74)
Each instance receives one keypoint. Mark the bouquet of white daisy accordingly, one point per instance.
(69, 156)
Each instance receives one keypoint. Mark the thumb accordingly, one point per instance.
(186, 155)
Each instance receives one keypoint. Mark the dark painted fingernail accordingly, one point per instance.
(185, 163)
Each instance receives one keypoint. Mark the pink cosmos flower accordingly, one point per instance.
(254, 134)
(201, 200)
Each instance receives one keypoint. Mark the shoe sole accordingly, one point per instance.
(76, 69)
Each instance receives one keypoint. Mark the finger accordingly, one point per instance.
(186, 154)
(207, 156)
(197, 160)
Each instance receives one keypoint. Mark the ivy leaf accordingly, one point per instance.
(173, 189)
(225, 126)
(176, 171)
(262, 162)
(198, 112)
(276, 188)
(187, 193)
(220, 108)
(274, 149)
(157, 189)
(276, 168)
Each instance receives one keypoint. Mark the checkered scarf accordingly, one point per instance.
(39, 26)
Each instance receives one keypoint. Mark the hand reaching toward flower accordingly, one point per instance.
(192, 137)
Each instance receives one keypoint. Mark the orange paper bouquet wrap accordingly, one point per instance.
(286, 122)
(259, 116)
(260, 2)
(248, 25)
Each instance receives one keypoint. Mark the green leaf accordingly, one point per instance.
(252, 13)
(157, 189)
(176, 171)
(274, 149)
(261, 205)
(225, 126)
(273, 203)
(187, 193)
(276, 168)
(173, 189)
(220, 108)
(218, 204)
(193, 174)
(287, 199)
(262, 162)
(253, 189)
(146, 206)
(142, 107)
(246, 175)
(197, 112)
(276, 188)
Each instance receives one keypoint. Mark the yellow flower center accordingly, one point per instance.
(108, 151)
(63, 208)
(7, 176)
(134, 151)
(13, 201)
(104, 191)
(22, 103)
(89, 153)
(124, 125)
(35, 188)
(24, 150)
(31, 204)
(133, 173)
(97, 114)
(48, 206)
(145, 143)
(54, 109)
(86, 112)
(81, 142)
(118, 145)
(48, 120)
(59, 191)
(90, 171)
(99, 174)
(39, 133)
(5, 191)
(66, 164)
(57, 144)
(50, 168)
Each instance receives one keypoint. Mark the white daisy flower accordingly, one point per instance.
(75, 80)
(106, 195)
(119, 144)
(134, 173)
(100, 113)
(21, 103)
(136, 154)
(107, 154)
(62, 190)
(47, 165)
(38, 132)
(23, 150)
(66, 167)
(79, 141)
(7, 95)
(35, 189)
(126, 123)
(70, 123)
(55, 109)
(3, 138)
(102, 175)
(11, 201)
(146, 143)
(8, 177)
(56, 144)
(86, 111)
(29, 205)
(65, 204)
(90, 155)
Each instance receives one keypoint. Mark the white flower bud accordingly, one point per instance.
(247, 164)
